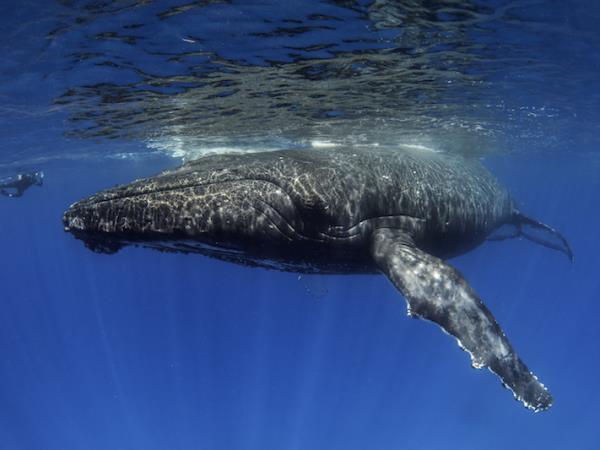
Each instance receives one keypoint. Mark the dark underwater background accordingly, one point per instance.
(149, 350)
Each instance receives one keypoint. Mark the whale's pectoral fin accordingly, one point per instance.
(437, 292)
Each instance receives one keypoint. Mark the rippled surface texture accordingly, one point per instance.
(468, 76)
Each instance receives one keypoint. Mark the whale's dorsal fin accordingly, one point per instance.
(437, 292)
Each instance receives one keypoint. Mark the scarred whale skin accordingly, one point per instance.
(399, 212)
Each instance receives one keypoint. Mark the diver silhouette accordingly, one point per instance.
(20, 183)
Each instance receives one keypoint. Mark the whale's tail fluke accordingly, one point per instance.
(530, 229)
(521, 221)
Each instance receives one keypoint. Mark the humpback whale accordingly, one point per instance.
(401, 212)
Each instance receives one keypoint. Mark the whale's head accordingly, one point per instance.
(184, 209)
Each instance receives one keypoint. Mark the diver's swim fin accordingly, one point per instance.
(437, 292)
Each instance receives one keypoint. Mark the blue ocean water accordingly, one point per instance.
(149, 350)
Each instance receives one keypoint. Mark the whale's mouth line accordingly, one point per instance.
(114, 197)
(289, 230)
